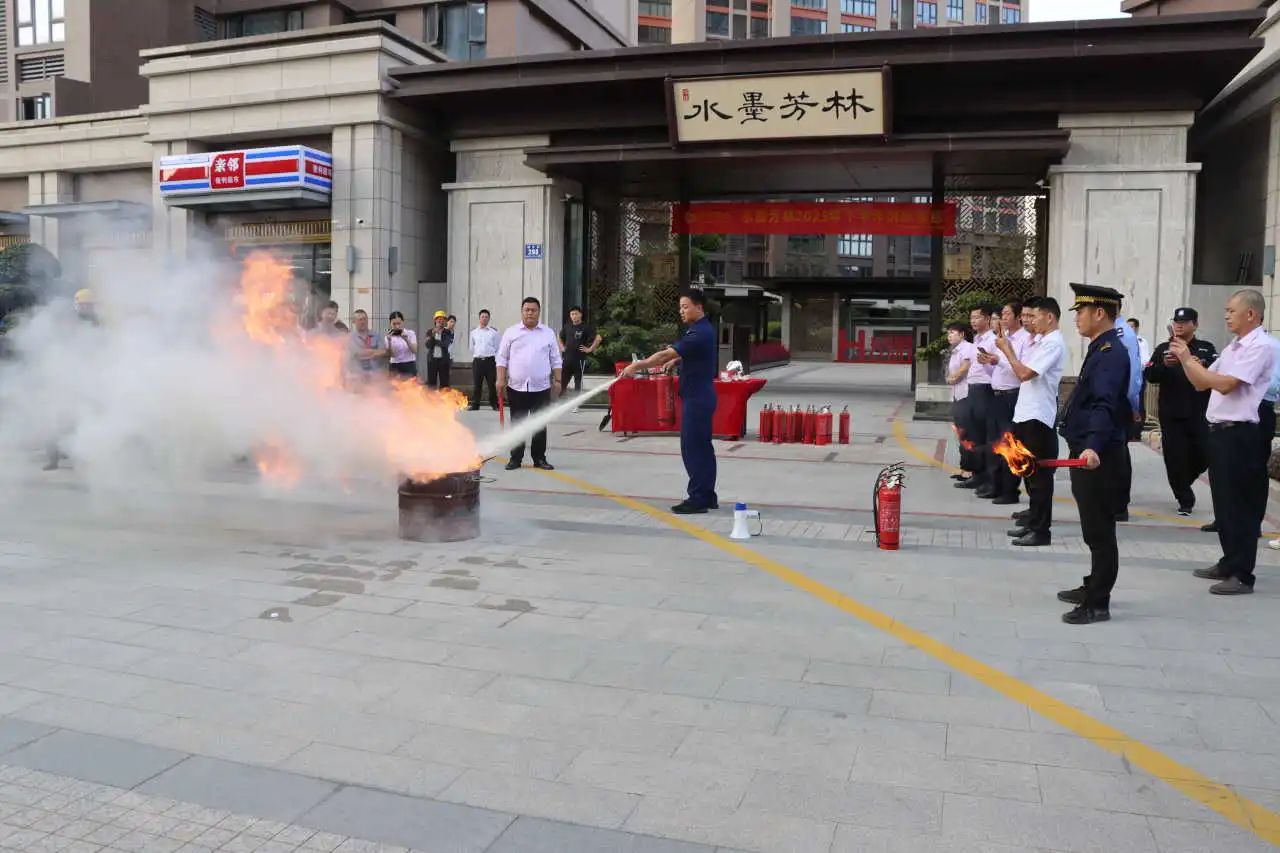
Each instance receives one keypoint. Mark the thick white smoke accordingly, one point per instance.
(169, 388)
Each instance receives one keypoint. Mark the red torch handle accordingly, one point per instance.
(1061, 463)
(502, 415)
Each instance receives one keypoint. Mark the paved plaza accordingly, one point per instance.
(231, 669)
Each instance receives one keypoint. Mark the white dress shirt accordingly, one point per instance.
(529, 355)
(484, 342)
(1038, 397)
(1002, 376)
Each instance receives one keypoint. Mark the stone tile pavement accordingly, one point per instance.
(584, 678)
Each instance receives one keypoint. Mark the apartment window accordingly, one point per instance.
(715, 270)
(41, 22)
(656, 8)
(206, 24)
(35, 108)
(761, 6)
(955, 10)
(854, 245)
(759, 28)
(865, 8)
(261, 23)
(982, 13)
(808, 26)
(653, 35)
(718, 24)
(459, 29)
(810, 4)
(927, 12)
(856, 28)
(893, 10)
(41, 67)
(1010, 15)
(757, 269)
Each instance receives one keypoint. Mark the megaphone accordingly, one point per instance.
(741, 526)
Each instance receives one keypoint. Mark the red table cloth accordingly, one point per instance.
(634, 404)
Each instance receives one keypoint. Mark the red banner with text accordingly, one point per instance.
(810, 217)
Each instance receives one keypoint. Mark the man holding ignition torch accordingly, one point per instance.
(1096, 427)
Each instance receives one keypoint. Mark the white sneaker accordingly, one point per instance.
(1274, 544)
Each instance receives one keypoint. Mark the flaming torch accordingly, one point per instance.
(964, 442)
(1023, 463)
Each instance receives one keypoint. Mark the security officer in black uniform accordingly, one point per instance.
(697, 352)
(1184, 432)
(1096, 428)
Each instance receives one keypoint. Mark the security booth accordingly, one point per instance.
(1059, 148)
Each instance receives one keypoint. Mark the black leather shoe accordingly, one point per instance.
(1006, 500)
(513, 465)
(985, 494)
(1073, 596)
(1021, 515)
(1032, 540)
(1213, 573)
(959, 477)
(1015, 532)
(686, 508)
(714, 505)
(967, 484)
(544, 465)
(1211, 527)
(1231, 586)
(1086, 615)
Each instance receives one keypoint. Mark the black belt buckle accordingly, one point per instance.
(1221, 425)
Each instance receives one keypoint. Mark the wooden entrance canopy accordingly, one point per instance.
(980, 102)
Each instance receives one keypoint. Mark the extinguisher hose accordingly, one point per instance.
(875, 507)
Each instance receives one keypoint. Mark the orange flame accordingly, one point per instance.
(411, 430)
(964, 442)
(1021, 460)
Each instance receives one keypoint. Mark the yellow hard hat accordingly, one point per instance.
(84, 295)
(438, 315)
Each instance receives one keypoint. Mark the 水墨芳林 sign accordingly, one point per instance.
(780, 106)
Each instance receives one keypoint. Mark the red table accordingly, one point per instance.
(634, 404)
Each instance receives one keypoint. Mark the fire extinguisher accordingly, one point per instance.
(766, 423)
(779, 425)
(810, 425)
(666, 401)
(844, 426)
(886, 507)
(824, 427)
(797, 425)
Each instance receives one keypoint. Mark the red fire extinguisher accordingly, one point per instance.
(824, 427)
(887, 507)
(810, 426)
(797, 425)
(666, 401)
(766, 423)
(844, 426)
(779, 425)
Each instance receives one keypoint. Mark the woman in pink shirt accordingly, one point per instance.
(402, 345)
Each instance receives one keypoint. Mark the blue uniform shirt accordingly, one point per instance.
(1098, 413)
(1130, 341)
(1273, 392)
(697, 348)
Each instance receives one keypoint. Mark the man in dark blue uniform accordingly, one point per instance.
(697, 352)
(1096, 428)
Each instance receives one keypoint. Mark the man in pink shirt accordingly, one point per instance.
(1237, 471)
(980, 401)
(529, 366)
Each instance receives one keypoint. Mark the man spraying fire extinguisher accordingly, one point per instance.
(696, 351)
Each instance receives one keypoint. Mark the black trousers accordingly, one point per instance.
(1098, 501)
(1123, 482)
(1042, 441)
(1000, 421)
(572, 370)
(1267, 428)
(1185, 444)
(1238, 482)
(960, 417)
(980, 400)
(484, 370)
(438, 372)
(696, 450)
(521, 404)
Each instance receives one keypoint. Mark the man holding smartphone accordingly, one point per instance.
(980, 402)
(1184, 432)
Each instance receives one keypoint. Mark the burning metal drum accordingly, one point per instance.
(446, 509)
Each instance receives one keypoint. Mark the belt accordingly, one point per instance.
(1221, 425)
(484, 357)
(1000, 393)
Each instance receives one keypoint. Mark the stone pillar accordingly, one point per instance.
(50, 188)
(173, 229)
(833, 16)
(779, 18)
(1270, 279)
(506, 235)
(688, 21)
(1122, 215)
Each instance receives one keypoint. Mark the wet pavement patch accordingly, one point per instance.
(331, 571)
(512, 605)
(457, 583)
(319, 599)
(345, 587)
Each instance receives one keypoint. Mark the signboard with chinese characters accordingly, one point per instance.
(806, 217)
(282, 167)
(780, 106)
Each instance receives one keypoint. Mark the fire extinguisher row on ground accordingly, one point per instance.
(797, 425)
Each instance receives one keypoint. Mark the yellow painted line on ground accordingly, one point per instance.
(1239, 810)
(900, 436)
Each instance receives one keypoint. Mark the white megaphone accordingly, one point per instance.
(741, 528)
